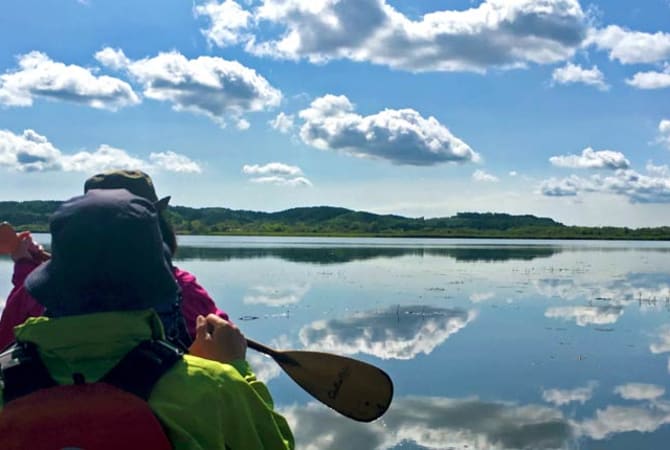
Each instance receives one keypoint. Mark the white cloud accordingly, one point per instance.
(284, 123)
(173, 162)
(273, 168)
(227, 20)
(480, 175)
(112, 58)
(282, 181)
(39, 76)
(243, 124)
(664, 132)
(104, 158)
(32, 152)
(631, 47)
(651, 79)
(560, 397)
(400, 136)
(395, 333)
(591, 159)
(571, 74)
(639, 391)
(496, 33)
(638, 188)
(586, 315)
(565, 187)
(513, 173)
(276, 173)
(205, 85)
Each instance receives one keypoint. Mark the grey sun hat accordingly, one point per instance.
(107, 254)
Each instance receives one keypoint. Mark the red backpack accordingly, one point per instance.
(112, 413)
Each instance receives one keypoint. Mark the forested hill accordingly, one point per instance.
(332, 221)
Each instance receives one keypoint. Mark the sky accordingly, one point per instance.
(556, 108)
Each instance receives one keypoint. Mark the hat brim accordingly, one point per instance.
(162, 204)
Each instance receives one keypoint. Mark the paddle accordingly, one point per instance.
(8, 239)
(353, 388)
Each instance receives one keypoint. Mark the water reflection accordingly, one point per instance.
(276, 295)
(586, 315)
(336, 255)
(436, 423)
(400, 332)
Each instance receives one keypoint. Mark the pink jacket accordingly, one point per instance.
(20, 304)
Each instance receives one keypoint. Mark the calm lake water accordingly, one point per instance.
(491, 344)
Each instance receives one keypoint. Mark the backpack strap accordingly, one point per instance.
(23, 372)
(142, 367)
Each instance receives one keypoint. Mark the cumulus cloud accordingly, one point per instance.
(37, 76)
(591, 159)
(637, 187)
(497, 33)
(480, 175)
(113, 58)
(586, 315)
(243, 124)
(560, 397)
(651, 79)
(206, 85)
(394, 333)
(401, 136)
(435, 423)
(631, 47)
(32, 152)
(283, 123)
(575, 74)
(565, 187)
(173, 162)
(664, 133)
(276, 173)
(639, 391)
(227, 20)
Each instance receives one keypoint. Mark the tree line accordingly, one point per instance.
(334, 221)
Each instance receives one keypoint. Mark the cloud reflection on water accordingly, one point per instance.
(586, 315)
(400, 332)
(435, 423)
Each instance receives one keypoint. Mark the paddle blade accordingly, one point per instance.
(8, 239)
(353, 388)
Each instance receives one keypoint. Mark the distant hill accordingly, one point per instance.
(334, 221)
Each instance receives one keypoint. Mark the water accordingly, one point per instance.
(491, 344)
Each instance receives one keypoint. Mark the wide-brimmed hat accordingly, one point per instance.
(136, 181)
(107, 254)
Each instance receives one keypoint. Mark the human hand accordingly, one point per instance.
(218, 340)
(28, 249)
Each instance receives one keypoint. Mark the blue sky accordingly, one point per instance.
(556, 108)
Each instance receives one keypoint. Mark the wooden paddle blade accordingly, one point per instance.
(353, 388)
(8, 239)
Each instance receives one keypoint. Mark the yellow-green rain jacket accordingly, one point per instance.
(202, 404)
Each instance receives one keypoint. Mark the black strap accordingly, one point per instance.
(23, 372)
(142, 367)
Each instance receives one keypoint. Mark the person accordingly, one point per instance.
(101, 301)
(20, 305)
